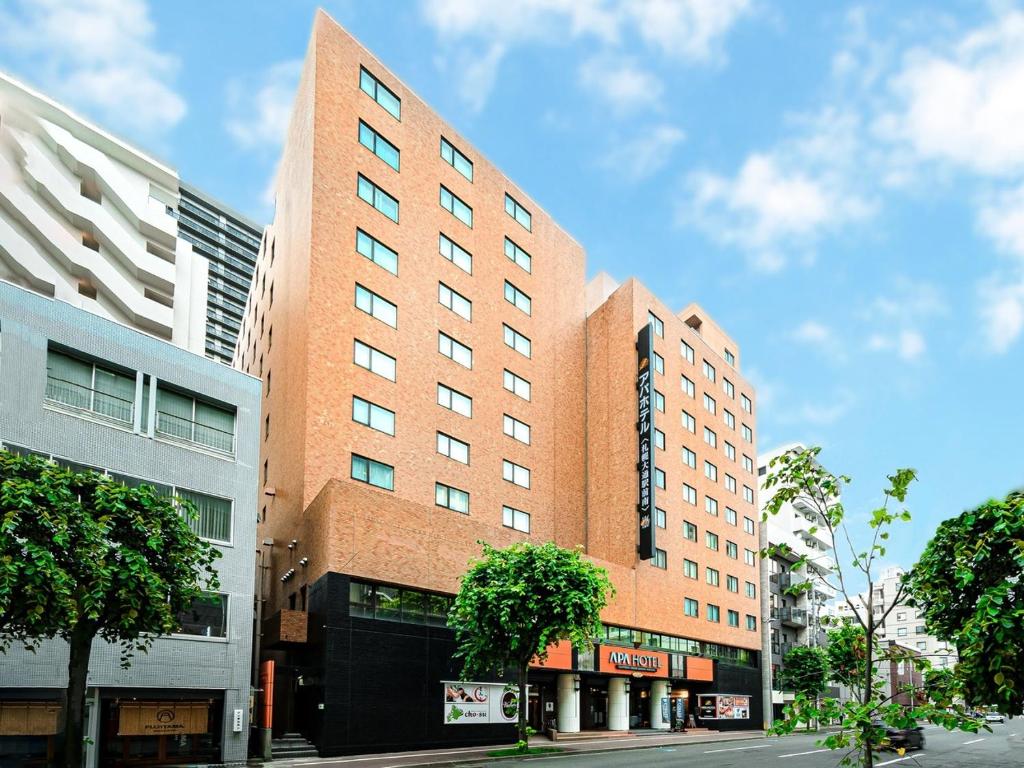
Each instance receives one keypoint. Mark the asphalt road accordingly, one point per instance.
(1003, 748)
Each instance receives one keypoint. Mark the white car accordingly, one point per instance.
(993, 717)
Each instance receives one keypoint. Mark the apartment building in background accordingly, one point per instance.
(103, 328)
(796, 620)
(437, 371)
(904, 624)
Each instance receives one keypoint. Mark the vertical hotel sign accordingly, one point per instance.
(645, 442)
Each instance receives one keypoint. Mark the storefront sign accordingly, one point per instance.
(29, 718)
(645, 443)
(698, 668)
(156, 718)
(639, 663)
(723, 707)
(559, 657)
(472, 703)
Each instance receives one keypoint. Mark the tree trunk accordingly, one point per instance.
(524, 669)
(69, 754)
(869, 637)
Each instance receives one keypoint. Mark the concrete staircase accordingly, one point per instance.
(292, 745)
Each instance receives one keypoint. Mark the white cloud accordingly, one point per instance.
(487, 30)
(813, 332)
(619, 82)
(964, 106)
(1002, 311)
(640, 158)
(261, 107)
(97, 55)
(903, 310)
(908, 344)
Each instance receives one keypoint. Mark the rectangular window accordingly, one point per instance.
(374, 360)
(213, 521)
(451, 498)
(376, 306)
(517, 212)
(730, 483)
(711, 540)
(748, 526)
(659, 439)
(180, 416)
(659, 478)
(515, 518)
(730, 451)
(660, 559)
(659, 363)
(455, 301)
(456, 207)
(732, 550)
(370, 193)
(660, 519)
(710, 471)
(514, 473)
(709, 371)
(656, 324)
(713, 613)
(730, 420)
(690, 569)
(518, 255)
(730, 358)
(373, 416)
(373, 472)
(711, 506)
(691, 607)
(380, 93)
(901, 632)
(455, 253)
(730, 390)
(746, 404)
(709, 403)
(710, 437)
(454, 400)
(748, 464)
(376, 251)
(689, 423)
(748, 556)
(748, 435)
(730, 516)
(377, 144)
(517, 298)
(732, 584)
(516, 429)
(659, 401)
(748, 494)
(517, 341)
(452, 448)
(689, 458)
(686, 385)
(453, 350)
(751, 623)
(689, 494)
(207, 616)
(751, 589)
(734, 618)
(516, 384)
(83, 385)
(711, 576)
(456, 159)
(686, 351)
(689, 531)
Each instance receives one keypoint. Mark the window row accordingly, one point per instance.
(382, 475)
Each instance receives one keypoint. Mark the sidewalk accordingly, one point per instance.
(451, 757)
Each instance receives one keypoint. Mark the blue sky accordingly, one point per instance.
(840, 185)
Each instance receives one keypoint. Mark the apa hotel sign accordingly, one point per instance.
(645, 442)
(638, 663)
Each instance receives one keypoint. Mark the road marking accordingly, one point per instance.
(812, 752)
(735, 749)
(898, 760)
(973, 741)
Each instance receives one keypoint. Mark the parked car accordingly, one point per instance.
(993, 717)
(907, 738)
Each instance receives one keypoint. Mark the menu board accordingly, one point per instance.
(472, 703)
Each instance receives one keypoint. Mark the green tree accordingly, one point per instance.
(83, 556)
(797, 476)
(515, 602)
(805, 670)
(970, 584)
(847, 652)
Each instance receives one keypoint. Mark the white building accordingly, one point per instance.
(795, 620)
(904, 624)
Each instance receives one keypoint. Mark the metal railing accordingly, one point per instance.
(180, 428)
(88, 399)
(795, 616)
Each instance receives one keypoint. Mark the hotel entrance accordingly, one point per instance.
(594, 704)
(639, 704)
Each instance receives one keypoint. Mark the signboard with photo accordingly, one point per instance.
(723, 707)
(472, 703)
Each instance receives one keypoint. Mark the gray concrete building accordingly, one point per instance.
(88, 391)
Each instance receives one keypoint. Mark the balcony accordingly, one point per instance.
(793, 617)
(784, 580)
(284, 628)
(816, 536)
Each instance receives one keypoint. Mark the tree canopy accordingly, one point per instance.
(514, 603)
(805, 669)
(969, 583)
(81, 556)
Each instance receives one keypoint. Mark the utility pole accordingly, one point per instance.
(766, 631)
